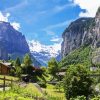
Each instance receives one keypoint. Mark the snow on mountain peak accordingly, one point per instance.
(43, 53)
(52, 50)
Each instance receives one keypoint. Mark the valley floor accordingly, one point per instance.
(30, 91)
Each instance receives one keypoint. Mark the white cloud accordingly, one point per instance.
(4, 17)
(60, 8)
(54, 10)
(16, 25)
(50, 32)
(56, 39)
(90, 6)
(17, 6)
(49, 29)
(65, 23)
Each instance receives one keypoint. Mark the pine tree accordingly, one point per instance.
(27, 64)
(53, 67)
(27, 60)
(17, 62)
(18, 68)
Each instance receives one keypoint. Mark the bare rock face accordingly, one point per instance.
(74, 35)
(3, 54)
(96, 56)
(11, 41)
(96, 29)
(84, 31)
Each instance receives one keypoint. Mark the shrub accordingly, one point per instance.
(42, 84)
(77, 82)
(59, 86)
(96, 98)
(12, 72)
(79, 98)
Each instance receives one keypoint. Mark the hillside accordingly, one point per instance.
(13, 43)
(82, 34)
(80, 55)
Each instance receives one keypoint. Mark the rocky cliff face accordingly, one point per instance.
(11, 41)
(13, 44)
(74, 35)
(84, 31)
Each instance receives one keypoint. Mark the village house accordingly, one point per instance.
(5, 68)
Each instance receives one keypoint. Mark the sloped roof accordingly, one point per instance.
(61, 73)
(6, 64)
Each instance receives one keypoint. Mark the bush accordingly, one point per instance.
(77, 82)
(96, 98)
(42, 84)
(29, 91)
(79, 98)
(12, 72)
(59, 86)
(18, 71)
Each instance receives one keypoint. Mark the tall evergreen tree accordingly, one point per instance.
(27, 60)
(27, 64)
(18, 68)
(53, 67)
(17, 62)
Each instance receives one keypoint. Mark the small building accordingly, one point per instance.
(94, 68)
(61, 73)
(5, 68)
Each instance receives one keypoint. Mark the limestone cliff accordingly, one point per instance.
(83, 31)
(11, 41)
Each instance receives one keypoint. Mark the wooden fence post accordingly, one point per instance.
(11, 83)
(4, 84)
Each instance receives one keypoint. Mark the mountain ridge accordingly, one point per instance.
(13, 43)
(83, 31)
(43, 53)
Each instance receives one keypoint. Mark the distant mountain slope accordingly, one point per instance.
(43, 53)
(12, 43)
(82, 32)
(73, 36)
(78, 56)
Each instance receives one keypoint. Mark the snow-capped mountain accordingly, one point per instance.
(42, 52)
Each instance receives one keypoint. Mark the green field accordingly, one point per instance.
(53, 93)
(8, 77)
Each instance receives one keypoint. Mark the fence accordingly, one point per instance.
(4, 82)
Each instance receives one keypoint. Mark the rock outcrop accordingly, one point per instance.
(83, 31)
(11, 41)
(74, 35)
(13, 44)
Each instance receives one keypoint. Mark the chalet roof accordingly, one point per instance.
(6, 64)
(61, 73)
(93, 68)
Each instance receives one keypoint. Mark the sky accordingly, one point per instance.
(45, 20)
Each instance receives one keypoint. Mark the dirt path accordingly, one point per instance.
(38, 87)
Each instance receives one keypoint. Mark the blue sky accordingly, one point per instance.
(45, 20)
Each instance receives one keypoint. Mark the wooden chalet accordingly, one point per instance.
(62, 71)
(5, 68)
